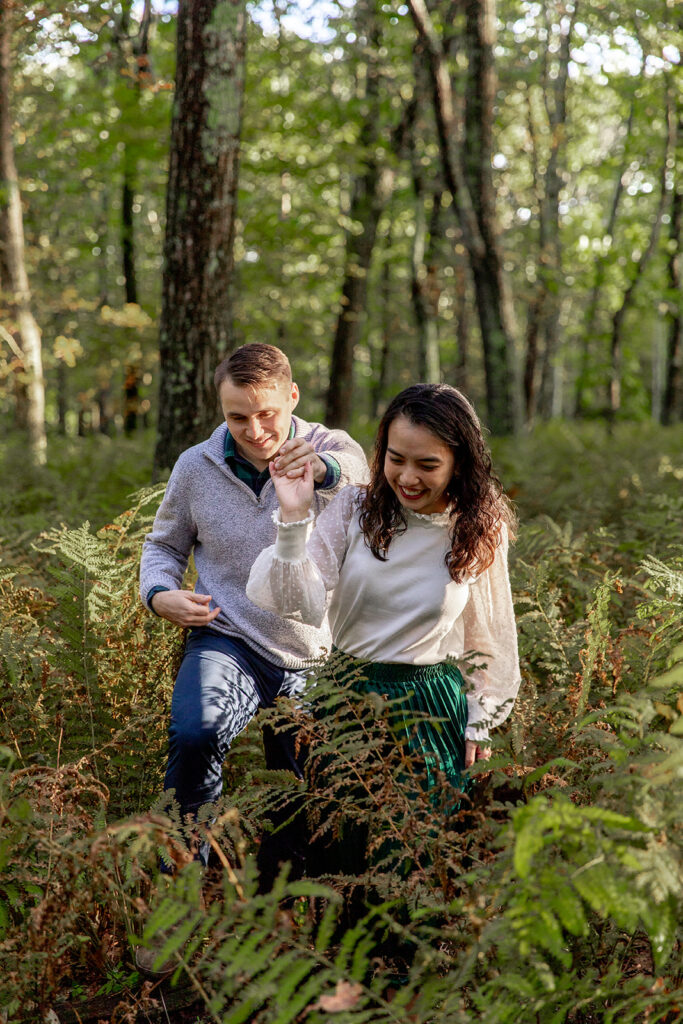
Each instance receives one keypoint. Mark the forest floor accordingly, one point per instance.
(558, 893)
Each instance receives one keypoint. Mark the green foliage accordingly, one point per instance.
(84, 121)
(553, 893)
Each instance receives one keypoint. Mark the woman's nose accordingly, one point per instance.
(408, 477)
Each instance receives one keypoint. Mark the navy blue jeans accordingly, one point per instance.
(220, 686)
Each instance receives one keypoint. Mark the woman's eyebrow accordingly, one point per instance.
(424, 458)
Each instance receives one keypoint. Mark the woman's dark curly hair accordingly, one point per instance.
(475, 496)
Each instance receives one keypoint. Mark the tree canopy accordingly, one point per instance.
(577, 131)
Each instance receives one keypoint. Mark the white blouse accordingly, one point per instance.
(406, 609)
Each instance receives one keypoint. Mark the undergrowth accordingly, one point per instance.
(551, 894)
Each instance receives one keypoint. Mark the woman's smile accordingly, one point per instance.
(418, 466)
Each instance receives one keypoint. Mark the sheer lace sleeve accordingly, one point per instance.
(292, 577)
(491, 634)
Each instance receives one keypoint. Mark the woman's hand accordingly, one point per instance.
(475, 752)
(293, 456)
(295, 494)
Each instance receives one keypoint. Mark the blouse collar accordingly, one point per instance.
(434, 518)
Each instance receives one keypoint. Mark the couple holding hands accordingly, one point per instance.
(298, 549)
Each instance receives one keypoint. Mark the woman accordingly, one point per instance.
(416, 564)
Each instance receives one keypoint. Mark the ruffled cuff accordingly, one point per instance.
(478, 720)
(477, 733)
(290, 545)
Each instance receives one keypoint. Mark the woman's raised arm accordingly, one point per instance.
(292, 577)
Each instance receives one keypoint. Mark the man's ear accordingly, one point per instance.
(295, 395)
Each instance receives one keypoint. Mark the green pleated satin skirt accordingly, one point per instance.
(427, 711)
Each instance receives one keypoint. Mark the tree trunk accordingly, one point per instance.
(62, 397)
(430, 291)
(672, 406)
(127, 228)
(422, 267)
(616, 337)
(601, 270)
(544, 313)
(462, 313)
(388, 322)
(196, 318)
(533, 330)
(551, 266)
(134, 60)
(17, 285)
(371, 192)
(470, 182)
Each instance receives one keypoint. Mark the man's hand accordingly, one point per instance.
(184, 608)
(475, 752)
(294, 492)
(294, 455)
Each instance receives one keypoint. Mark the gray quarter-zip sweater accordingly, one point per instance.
(209, 511)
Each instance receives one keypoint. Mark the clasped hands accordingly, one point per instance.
(294, 485)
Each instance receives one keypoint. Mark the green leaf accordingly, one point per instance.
(569, 909)
(538, 773)
(662, 930)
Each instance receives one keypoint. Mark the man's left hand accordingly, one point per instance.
(475, 752)
(293, 456)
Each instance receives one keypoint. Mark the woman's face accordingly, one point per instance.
(418, 466)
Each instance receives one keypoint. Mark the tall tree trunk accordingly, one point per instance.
(103, 258)
(551, 268)
(62, 397)
(17, 284)
(469, 179)
(601, 269)
(196, 317)
(431, 291)
(371, 191)
(672, 406)
(616, 336)
(127, 227)
(462, 314)
(422, 272)
(134, 60)
(544, 311)
(533, 331)
(388, 323)
(535, 308)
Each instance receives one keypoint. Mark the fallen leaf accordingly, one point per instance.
(345, 997)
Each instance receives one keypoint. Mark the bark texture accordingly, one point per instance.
(389, 329)
(544, 311)
(196, 318)
(582, 381)
(371, 190)
(424, 287)
(672, 406)
(619, 318)
(127, 231)
(466, 157)
(17, 284)
(134, 62)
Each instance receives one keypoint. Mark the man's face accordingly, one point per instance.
(259, 421)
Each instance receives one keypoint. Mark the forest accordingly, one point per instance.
(479, 192)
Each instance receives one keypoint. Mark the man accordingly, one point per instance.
(218, 505)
